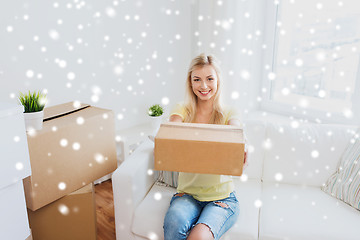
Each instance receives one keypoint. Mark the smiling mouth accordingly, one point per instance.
(204, 93)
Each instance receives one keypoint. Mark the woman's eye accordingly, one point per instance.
(196, 79)
(210, 79)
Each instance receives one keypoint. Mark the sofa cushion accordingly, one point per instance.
(246, 227)
(255, 133)
(149, 215)
(344, 183)
(297, 213)
(304, 154)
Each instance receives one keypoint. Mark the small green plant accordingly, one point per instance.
(155, 110)
(32, 102)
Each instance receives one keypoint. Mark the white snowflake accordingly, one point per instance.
(19, 166)
(76, 146)
(54, 34)
(63, 209)
(62, 186)
(165, 100)
(63, 142)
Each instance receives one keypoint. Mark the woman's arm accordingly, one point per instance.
(175, 118)
(234, 122)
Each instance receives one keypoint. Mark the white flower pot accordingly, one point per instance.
(34, 120)
(155, 123)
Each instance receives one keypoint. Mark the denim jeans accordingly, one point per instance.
(185, 212)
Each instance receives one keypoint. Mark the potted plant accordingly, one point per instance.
(34, 104)
(155, 112)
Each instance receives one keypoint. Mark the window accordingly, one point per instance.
(315, 60)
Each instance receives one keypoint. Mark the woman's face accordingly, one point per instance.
(204, 82)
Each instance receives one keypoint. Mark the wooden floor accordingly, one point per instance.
(105, 211)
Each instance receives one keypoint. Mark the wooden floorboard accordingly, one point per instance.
(105, 211)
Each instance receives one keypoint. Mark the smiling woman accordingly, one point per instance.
(204, 86)
(205, 205)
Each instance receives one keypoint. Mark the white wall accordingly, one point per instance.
(127, 65)
(234, 31)
(127, 55)
(43, 41)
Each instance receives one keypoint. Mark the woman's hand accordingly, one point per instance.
(245, 159)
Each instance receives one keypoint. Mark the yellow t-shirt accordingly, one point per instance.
(205, 187)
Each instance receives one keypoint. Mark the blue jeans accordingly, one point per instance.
(185, 212)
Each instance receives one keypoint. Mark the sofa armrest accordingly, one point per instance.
(131, 182)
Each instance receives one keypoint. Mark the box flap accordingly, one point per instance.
(202, 126)
(200, 132)
(63, 109)
(86, 189)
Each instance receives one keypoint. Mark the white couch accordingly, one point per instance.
(279, 192)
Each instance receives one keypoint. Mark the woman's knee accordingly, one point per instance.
(201, 232)
(180, 217)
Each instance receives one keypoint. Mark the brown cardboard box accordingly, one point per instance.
(200, 148)
(75, 147)
(70, 217)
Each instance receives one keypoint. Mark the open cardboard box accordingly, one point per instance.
(75, 147)
(200, 148)
(70, 217)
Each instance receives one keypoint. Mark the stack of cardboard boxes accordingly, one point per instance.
(75, 147)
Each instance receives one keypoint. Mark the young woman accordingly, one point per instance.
(205, 205)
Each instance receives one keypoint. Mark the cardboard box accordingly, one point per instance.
(200, 148)
(70, 217)
(75, 147)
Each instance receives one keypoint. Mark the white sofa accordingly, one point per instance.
(279, 192)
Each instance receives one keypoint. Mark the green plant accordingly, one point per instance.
(32, 102)
(155, 110)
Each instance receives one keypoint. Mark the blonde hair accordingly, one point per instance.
(217, 116)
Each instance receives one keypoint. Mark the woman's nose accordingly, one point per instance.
(203, 85)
